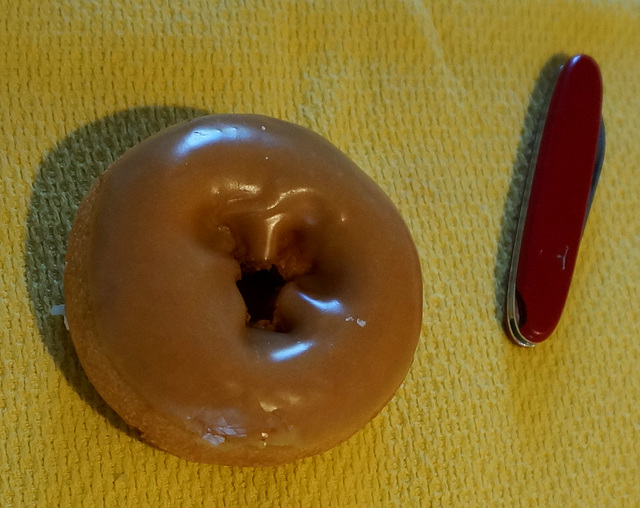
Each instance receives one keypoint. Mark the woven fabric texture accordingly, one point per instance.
(435, 100)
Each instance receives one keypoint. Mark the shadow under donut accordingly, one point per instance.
(64, 177)
(532, 119)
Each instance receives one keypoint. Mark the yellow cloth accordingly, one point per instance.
(429, 98)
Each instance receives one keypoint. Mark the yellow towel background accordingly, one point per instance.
(432, 99)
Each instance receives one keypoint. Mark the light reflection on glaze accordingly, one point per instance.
(243, 187)
(270, 226)
(332, 306)
(204, 136)
(287, 194)
(290, 352)
(268, 406)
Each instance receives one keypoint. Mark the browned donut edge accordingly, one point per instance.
(162, 431)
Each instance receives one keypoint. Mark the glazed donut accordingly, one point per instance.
(240, 292)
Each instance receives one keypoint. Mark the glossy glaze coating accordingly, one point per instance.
(162, 328)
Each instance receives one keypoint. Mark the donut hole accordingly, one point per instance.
(264, 272)
(260, 290)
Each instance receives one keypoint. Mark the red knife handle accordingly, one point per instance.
(558, 198)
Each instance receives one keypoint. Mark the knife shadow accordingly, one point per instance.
(513, 200)
(64, 176)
